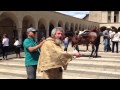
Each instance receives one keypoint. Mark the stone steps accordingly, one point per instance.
(107, 66)
(77, 69)
(93, 74)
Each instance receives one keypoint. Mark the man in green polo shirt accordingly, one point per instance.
(32, 53)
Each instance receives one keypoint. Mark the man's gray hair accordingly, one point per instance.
(56, 29)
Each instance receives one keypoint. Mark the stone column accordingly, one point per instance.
(36, 27)
(19, 30)
(56, 24)
(112, 17)
(119, 17)
(20, 35)
(63, 26)
(47, 29)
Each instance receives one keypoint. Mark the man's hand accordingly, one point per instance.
(77, 54)
(40, 44)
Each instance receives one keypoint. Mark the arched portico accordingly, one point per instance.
(41, 29)
(51, 26)
(8, 25)
(27, 22)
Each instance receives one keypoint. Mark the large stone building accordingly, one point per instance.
(105, 18)
(15, 23)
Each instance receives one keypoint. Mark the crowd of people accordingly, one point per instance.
(111, 36)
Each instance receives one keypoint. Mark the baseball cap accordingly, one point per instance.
(31, 30)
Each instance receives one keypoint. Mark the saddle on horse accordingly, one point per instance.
(85, 34)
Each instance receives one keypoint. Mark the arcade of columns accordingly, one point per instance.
(15, 23)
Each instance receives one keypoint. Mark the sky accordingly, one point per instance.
(78, 14)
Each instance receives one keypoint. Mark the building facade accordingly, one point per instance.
(105, 18)
(15, 23)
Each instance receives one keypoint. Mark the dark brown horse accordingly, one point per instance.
(88, 37)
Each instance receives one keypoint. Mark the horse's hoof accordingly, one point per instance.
(95, 57)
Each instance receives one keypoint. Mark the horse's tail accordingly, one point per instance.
(72, 43)
(98, 38)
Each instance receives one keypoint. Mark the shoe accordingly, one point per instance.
(3, 59)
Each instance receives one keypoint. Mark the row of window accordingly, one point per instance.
(116, 17)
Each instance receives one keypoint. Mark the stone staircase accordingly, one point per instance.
(105, 67)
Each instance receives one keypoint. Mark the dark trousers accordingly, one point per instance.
(65, 49)
(113, 45)
(0, 50)
(5, 51)
(108, 46)
(31, 71)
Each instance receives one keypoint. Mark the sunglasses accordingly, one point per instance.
(34, 32)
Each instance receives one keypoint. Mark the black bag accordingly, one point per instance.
(19, 46)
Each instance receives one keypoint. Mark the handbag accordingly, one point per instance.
(19, 46)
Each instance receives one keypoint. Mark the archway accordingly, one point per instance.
(51, 26)
(8, 25)
(72, 28)
(41, 29)
(26, 23)
(83, 27)
(76, 27)
(66, 27)
(118, 29)
(80, 27)
(60, 24)
(86, 27)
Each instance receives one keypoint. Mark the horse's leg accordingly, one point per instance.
(97, 45)
(86, 47)
(93, 48)
(96, 51)
(77, 47)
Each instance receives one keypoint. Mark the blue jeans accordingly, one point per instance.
(31, 71)
(105, 44)
(66, 46)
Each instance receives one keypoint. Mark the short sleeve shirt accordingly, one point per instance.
(31, 58)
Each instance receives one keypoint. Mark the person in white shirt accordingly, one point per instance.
(115, 39)
(5, 43)
(0, 45)
(17, 48)
(110, 33)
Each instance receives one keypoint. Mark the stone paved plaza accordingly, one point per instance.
(106, 66)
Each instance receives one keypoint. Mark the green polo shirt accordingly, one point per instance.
(31, 58)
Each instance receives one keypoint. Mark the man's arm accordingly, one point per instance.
(32, 49)
(77, 54)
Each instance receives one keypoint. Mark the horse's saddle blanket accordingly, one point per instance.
(85, 34)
